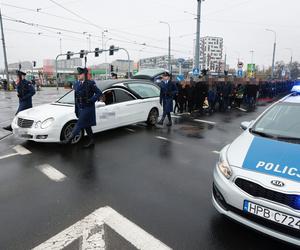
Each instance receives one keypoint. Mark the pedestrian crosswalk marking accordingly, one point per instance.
(94, 232)
(20, 150)
(51, 173)
(204, 121)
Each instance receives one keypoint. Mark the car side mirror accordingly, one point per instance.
(245, 125)
(99, 104)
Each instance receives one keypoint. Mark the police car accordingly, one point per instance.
(124, 102)
(257, 177)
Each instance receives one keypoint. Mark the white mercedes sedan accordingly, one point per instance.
(124, 102)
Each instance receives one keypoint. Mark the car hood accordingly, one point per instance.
(264, 155)
(45, 111)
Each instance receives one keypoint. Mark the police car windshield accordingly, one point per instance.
(67, 98)
(281, 122)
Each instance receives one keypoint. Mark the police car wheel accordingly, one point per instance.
(152, 117)
(67, 130)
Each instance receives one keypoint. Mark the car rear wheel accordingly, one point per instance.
(67, 130)
(152, 117)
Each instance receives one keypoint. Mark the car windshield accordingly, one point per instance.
(281, 122)
(144, 90)
(67, 98)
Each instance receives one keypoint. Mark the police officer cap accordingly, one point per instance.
(20, 73)
(82, 70)
(166, 74)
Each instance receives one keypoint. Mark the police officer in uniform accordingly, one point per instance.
(25, 91)
(168, 91)
(86, 94)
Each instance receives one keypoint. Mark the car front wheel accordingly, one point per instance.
(152, 117)
(67, 130)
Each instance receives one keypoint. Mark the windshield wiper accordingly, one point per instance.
(288, 138)
(263, 134)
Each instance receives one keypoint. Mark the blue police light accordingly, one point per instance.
(297, 202)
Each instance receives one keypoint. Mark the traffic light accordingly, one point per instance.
(97, 51)
(111, 50)
(34, 63)
(226, 72)
(81, 55)
(111, 68)
(69, 54)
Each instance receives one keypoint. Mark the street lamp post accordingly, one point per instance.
(274, 51)
(169, 54)
(106, 70)
(291, 54)
(197, 47)
(252, 55)
(103, 35)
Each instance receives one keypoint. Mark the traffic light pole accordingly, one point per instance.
(86, 53)
(4, 49)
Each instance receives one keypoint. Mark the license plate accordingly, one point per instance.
(272, 215)
(20, 131)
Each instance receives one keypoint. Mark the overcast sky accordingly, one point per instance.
(130, 23)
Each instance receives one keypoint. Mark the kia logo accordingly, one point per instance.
(277, 183)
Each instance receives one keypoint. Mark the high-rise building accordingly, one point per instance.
(211, 53)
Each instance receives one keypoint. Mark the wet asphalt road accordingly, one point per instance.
(162, 186)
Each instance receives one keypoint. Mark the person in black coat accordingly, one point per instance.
(168, 91)
(25, 91)
(86, 94)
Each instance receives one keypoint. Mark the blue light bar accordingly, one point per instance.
(297, 203)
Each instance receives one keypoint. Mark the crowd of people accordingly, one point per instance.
(200, 96)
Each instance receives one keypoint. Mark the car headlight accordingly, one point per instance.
(47, 123)
(38, 124)
(224, 167)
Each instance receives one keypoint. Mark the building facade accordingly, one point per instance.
(211, 53)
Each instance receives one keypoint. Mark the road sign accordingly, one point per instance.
(240, 73)
(196, 72)
(180, 78)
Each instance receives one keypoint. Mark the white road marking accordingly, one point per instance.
(51, 172)
(89, 233)
(166, 139)
(241, 109)
(204, 121)
(216, 152)
(7, 156)
(4, 137)
(21, 150)
(130, 130)
(175, 116)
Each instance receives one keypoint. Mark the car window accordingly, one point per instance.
(67, 98)
(282, 120)
(109, 97)
(144, 90)
(122, 96)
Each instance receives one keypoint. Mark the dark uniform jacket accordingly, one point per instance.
(86, 94)
(25, 92)
(167, 93)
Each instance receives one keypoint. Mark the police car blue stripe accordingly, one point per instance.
(272, 157)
